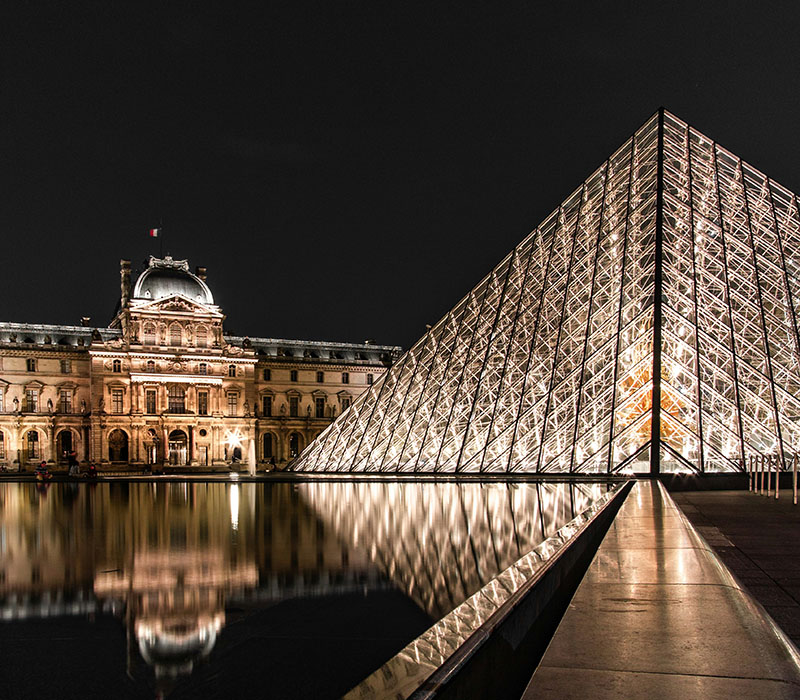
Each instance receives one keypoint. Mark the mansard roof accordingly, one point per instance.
(311, 350)
(51, 334)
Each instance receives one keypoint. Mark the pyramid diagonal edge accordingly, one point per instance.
(649, 323)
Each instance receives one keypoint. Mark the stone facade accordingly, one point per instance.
(164, 384)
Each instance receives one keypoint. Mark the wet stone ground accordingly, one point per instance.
(758, 538)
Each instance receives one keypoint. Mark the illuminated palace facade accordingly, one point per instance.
(164, 384)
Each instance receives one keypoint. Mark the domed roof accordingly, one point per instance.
(166, 278)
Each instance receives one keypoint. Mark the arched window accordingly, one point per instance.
(266, 446)
(116, 366)
(32, 444)
(149, 334)
(231, 370)
(201, 337)
(117, 446)
(202, 368)
(175, 335)
(177, 399)
(295, 444)
(64, 443)
(150, 366)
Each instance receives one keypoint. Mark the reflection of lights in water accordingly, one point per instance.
(172, 646)
(235, 506)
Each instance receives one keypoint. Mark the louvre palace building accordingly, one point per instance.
(164, 384)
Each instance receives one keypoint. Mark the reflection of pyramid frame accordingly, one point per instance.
(648, 324)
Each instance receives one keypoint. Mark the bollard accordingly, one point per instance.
(768, 467)
(759, 475)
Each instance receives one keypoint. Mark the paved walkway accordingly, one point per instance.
(658, 615)
(758, 538)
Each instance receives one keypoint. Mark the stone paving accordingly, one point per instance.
(758, 538)
(657, 615)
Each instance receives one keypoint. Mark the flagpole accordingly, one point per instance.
(161, 236)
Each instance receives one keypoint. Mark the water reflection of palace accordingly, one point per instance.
(168, 560)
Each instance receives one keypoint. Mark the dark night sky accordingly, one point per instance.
(346, 170)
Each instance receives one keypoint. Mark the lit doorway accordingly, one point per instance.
(178, 448)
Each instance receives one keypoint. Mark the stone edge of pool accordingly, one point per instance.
(432, 660)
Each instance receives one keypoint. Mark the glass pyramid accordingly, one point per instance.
(649, 324)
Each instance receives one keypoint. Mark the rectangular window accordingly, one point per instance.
(345, 403)
(370, 378)
(116, 400)
(177, 399)
(294, 406)
(320, 377)
(31, 364)
(65, 401)
(231, 370)
(345, 378)
(202, 403)
(2, 456)
(233, 399)
(319, 407)
(32, 400)
(150, 402)
(267, 375)
(266, 406)
(293, 375)
(66, 366)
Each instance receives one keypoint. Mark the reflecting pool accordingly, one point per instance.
(285, 590)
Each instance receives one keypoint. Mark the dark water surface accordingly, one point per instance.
(206, 590)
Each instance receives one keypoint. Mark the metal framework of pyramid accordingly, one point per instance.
(649, 324)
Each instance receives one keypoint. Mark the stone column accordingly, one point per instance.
(192, 447)
(86, 450)
(215, 446)
(49, 447)
(137, 439)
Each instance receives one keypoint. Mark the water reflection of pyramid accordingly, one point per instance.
(657, 306)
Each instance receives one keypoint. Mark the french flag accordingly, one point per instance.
(154, 232)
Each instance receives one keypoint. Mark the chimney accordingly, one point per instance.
(124, 282)
(200, 272)
(85, 321)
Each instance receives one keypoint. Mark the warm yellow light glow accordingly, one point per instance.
(234, 497)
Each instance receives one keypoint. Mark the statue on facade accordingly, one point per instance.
(83, 405)
(246, 408)
(101, 404)
(49, 405)
(16, 405)
(308, 411)
(283, 409)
